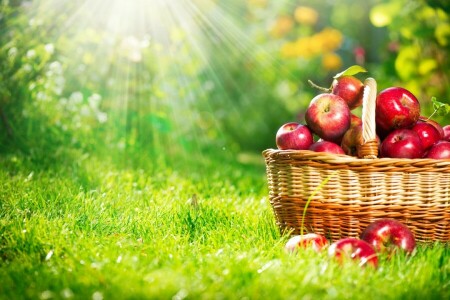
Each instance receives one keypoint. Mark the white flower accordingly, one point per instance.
(102, 117)
(50, 48)
(31, 53)
(76, 98)
(27, 68)
(12, 52)
(55, 67)
(85, 111)
(94, 100)
(41, 96)
(97, 296)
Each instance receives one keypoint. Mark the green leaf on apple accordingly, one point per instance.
(353, 70)
(440, 108)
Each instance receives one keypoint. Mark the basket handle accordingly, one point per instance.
(369, 146)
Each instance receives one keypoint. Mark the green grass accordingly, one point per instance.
(92, 230)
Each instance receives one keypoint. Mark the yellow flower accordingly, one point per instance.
(288, 50)
(330, 39)
(305, 47)
(282, 26)
(331, 61)
(306, 15)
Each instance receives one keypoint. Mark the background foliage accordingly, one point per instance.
(215, 84)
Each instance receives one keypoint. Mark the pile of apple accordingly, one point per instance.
(383, 236)
(402, 132)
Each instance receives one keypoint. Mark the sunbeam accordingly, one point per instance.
(168, 72)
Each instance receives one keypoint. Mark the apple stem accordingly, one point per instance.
(319, 87)
(431, 115)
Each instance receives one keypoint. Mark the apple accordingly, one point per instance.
(353, 249)
(328, 116)
(396, 108)
(428, 134)
(355, 120)
(402, 143)
(352, 141)
(310, 240)
(294, 136)
(350, 89)
(434, 123)
(440, 150)
(326, 146)
(446, 130)
(388, 236)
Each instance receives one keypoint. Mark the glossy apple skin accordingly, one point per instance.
(396, 108)
(326, 146)
(294, 136)
(309, 240)
(354, 249)
(446, 130)
(328, 116)
(388, 236)
(440, 150)
(402, 143)
(428, 134)
(350, 89)
(434, 123)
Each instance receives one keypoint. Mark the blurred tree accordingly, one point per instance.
(415, 54)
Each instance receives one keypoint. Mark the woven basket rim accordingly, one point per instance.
(343, 159)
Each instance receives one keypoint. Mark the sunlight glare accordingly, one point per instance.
(171, 41)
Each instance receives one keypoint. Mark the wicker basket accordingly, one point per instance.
(344, 194)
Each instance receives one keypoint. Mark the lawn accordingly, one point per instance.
(89, 229)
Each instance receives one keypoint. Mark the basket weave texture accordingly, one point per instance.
(344, 194)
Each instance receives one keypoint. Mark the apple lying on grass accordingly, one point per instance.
(353, 249)
(310, 240)
(388, 236)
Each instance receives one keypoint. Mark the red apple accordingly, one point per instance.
(355, 120)
(388, 236)
(440, 150)
(310, 240)
(353, 249)
(353, 140)
(328, 116)
(428, 134)
(396, 108)
(326, 146)
(294, 136)
(350, 89)
(446, 130)
(402, 143)
(434, 123)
